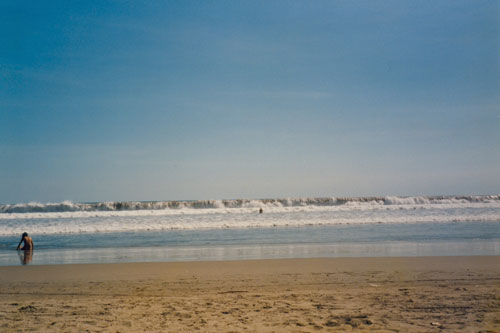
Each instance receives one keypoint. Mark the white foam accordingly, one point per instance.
(68, 206)
(68, 217)
(192, 219)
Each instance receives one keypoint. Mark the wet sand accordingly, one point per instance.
(422, 294)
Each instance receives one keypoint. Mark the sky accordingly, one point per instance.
(179, 100)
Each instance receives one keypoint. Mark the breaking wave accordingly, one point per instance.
(74, 218)
(68, 206)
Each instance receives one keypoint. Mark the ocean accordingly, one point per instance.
(109, 232)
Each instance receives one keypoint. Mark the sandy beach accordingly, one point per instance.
(420, 294)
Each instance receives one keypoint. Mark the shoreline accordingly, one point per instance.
(249, 251)
(351, 262)
(414, 294)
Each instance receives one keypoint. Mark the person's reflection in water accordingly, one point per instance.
(25, 252)
(26, 256)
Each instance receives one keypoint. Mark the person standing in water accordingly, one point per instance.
(27, 255)
(28, 243)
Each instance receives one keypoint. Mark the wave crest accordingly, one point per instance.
(68, 206)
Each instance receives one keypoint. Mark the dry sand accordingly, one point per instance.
(426, 294)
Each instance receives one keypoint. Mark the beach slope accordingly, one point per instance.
(420, 294)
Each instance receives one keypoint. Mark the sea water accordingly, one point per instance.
(234, 229)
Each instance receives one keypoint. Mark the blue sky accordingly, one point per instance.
(173, 100)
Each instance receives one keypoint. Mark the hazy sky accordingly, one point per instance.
(163, 100)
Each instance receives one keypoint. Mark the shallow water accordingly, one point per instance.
(353, 240)
(233, 229)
